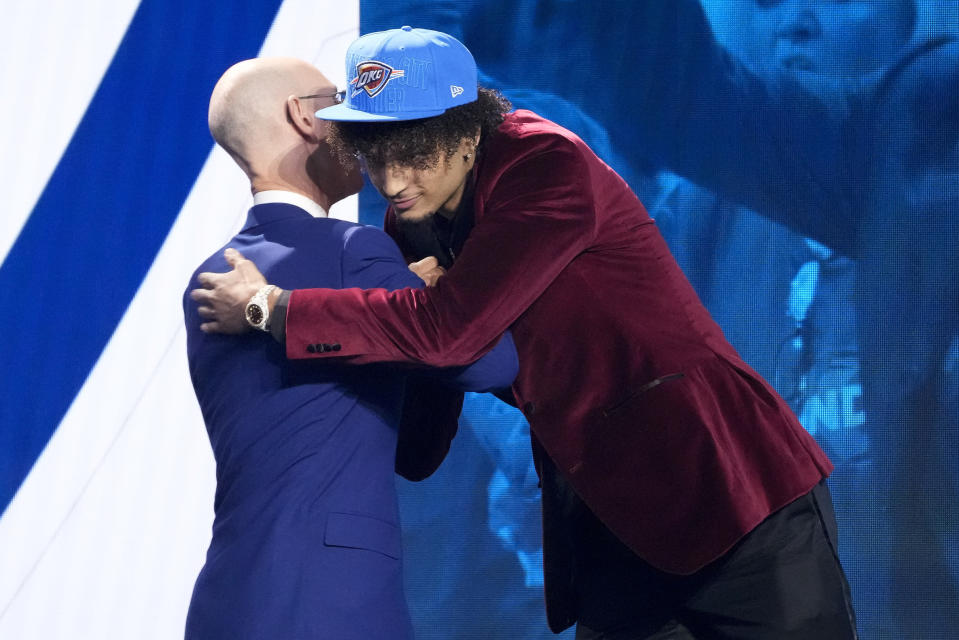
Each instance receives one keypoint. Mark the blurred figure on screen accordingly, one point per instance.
(787, 302)
(832, 38)
(845, 130)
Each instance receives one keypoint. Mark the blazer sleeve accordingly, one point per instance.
(429, 422)
(372, 260)
(432, 398)
(538, 217)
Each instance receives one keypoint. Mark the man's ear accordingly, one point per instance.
(301, 117)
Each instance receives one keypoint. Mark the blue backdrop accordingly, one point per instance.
(801, 158)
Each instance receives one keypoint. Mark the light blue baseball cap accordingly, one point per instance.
(404, 74)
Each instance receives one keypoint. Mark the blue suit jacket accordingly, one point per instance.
(305, 539)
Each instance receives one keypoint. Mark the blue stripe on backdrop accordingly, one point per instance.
(107, 208)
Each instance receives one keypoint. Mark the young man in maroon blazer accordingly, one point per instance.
(681, 496)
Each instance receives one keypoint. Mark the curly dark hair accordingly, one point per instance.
(419, 143)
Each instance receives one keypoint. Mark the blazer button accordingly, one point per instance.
(311, 348)
(529, 408)
(336, 346)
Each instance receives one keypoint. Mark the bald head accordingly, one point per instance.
(262, 112)
(248, 108)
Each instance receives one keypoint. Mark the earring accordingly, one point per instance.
(467, 157)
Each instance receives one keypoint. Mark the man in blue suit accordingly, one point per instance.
(306, 542)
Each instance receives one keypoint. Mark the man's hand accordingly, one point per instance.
(429, 270)
(224, 296)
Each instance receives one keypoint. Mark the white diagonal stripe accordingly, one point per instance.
(54, 56)
(109, 529)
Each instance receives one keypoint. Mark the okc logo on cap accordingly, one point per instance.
(372, 77)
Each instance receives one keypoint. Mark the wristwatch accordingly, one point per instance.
(258, 309)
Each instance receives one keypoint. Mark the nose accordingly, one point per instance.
(389, 179)
(798, 21)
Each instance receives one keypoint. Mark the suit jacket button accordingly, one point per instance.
(311, 348)
(529, 408)
(336, 346)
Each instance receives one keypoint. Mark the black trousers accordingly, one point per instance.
(782, 581)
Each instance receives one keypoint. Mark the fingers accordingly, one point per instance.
(222, 297)
(244, 271)
(217, 327)
(202, 296)
(233, 257)
(424, 265)
(229, 326)
(428, 269)
(249, 272)
(208, 280)
(432, 276)
(244, 268)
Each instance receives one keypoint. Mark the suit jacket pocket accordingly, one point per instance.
(356, 531)
(652, 384)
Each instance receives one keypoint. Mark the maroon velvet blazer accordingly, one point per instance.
(670, 438)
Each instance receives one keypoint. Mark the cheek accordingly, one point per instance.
(849, 32)
(855, 22)
(764, 25)
(430, 183)
(866, 44)
(759, 43)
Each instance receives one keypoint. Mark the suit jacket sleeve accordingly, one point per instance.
(537, 218)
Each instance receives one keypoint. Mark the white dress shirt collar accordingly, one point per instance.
(274, 196)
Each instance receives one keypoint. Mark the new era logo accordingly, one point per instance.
(455, 91)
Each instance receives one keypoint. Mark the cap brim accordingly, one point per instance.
(344, 113)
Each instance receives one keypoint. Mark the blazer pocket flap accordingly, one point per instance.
(355, 531)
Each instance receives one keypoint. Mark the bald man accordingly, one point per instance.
(306, 541)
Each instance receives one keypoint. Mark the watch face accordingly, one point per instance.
(254, 314)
